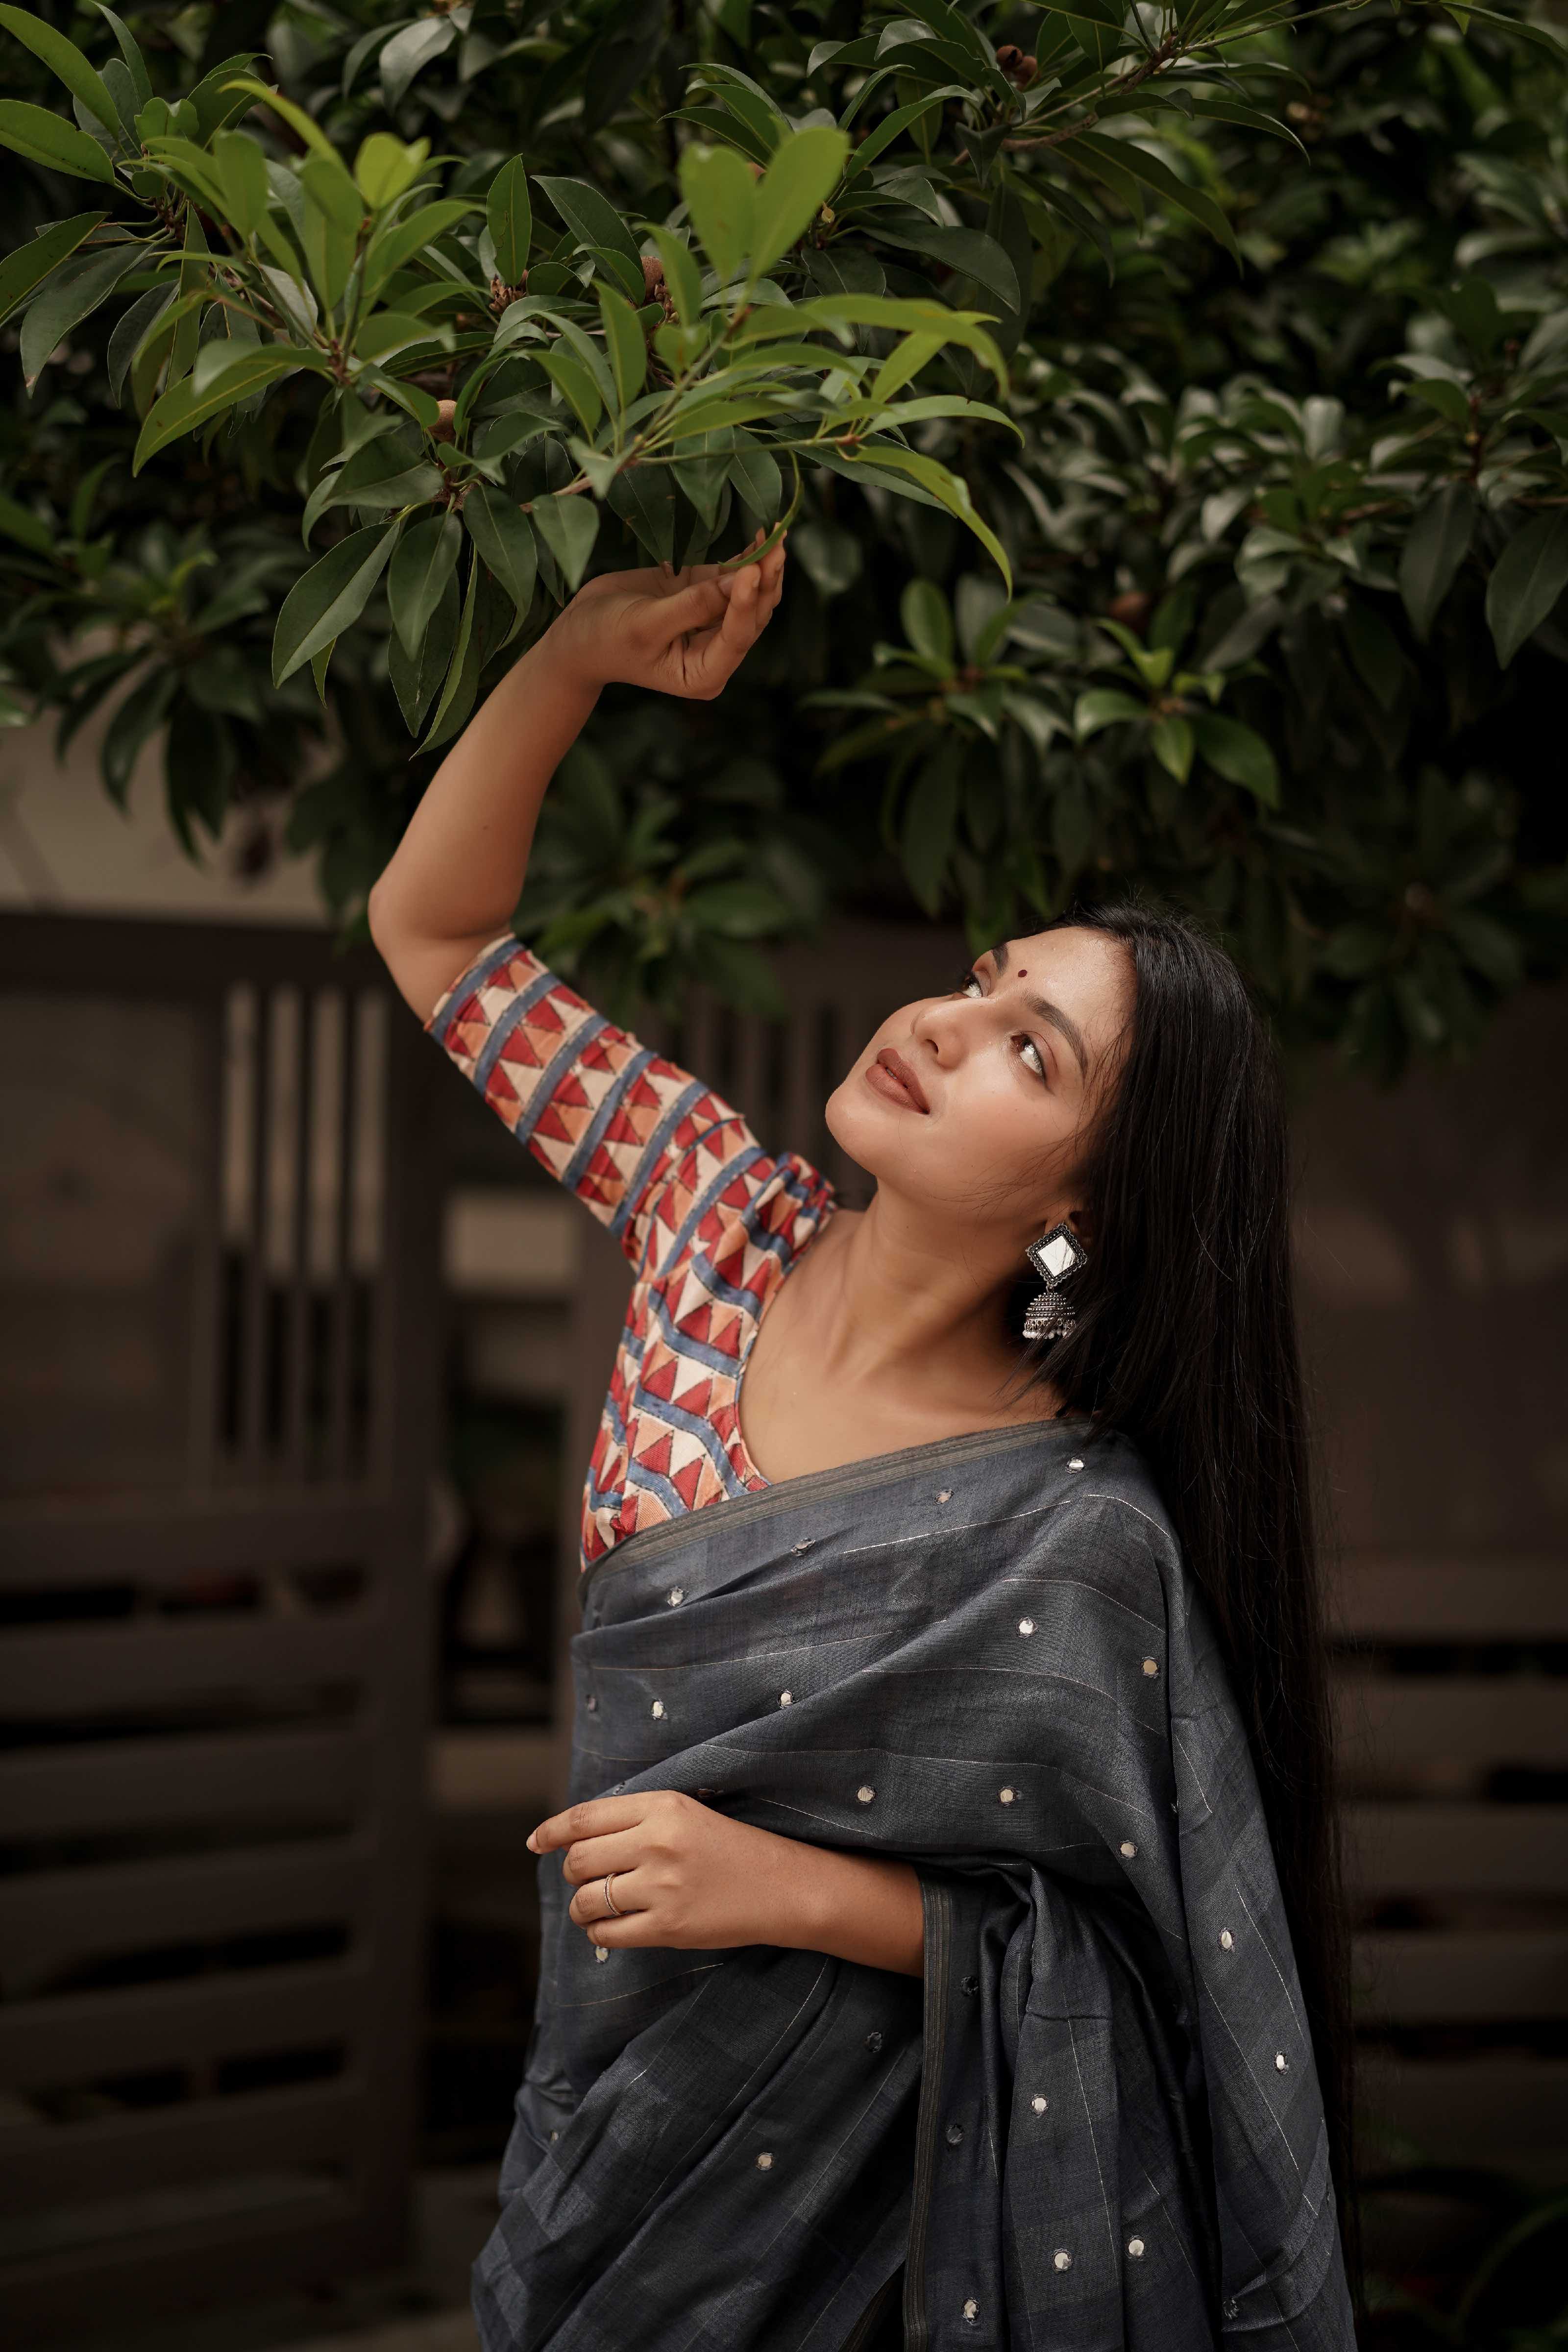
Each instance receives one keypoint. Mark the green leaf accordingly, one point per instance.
(928, 624)
(334, 210)
(330, 597)
(721, 198)
(644, 496)
(417, 680)
(1438, 543)
(755, 472)
(1238, 755)
(681, 275)
(1118, 161)
(1171, 741)
(64, 59)
(623, 341)
(395, 244)
(384, 169)
(500, 531)
(44, 137)
(409, 51)
(1105, 706)
(308, 128)
(592, 218)
(575, 384)
(949, 490)
(510, 218)
(568, 526)
(23, 271)
(222, 377)
(804, 171)
(931, 821)
(128, 731)
(969, 251)
(28, 530)
(455, 674)
(135, 64)
(1527, 580)
(426, 560)
(241, 168)
(78, 289)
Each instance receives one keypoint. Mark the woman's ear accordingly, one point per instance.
(1082, 1223)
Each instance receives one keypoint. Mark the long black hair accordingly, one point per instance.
(1186, 1339)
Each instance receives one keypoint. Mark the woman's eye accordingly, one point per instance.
(1032, 1059)
(970, 984)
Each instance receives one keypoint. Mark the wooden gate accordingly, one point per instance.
(216, 1286)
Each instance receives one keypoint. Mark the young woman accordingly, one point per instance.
(941, 1945)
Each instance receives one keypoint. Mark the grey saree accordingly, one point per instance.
(1096, 2123)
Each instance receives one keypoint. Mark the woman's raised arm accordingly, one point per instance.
(454, 881)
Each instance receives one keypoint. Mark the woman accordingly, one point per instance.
(941, 1944)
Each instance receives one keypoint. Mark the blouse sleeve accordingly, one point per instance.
(640, 1141)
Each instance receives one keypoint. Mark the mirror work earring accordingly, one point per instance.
(1056, 1258)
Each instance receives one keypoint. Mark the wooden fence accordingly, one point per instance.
(215, 1260)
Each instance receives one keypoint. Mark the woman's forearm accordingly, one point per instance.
(864, 1907)
(458, 870)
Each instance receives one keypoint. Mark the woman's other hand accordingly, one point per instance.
(683, 633)
(690, 1879)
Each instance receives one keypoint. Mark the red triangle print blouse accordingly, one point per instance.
(709, 1221)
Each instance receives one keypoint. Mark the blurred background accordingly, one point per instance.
(301, 1361)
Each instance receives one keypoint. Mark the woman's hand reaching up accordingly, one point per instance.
(686, 1877)
(454, 881)
(683, 633)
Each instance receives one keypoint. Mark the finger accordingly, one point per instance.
(590, 1857)
(588, 1906)
(716, 656)
(593, 1817)
(699, 606)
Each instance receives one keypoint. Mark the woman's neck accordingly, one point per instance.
(900, 1301)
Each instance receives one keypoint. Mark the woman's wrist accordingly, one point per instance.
(863, 1907)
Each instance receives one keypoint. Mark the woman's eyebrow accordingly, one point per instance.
(1043, 1009)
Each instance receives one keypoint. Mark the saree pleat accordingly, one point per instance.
(1096, 2122)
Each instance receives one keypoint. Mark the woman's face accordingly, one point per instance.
(976, 1103)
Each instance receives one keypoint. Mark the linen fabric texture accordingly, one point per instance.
(1096, 2122)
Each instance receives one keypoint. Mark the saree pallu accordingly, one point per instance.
(1096, 2123)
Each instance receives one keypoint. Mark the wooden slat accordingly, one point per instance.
(55, 1915)
(1502, 1719)
(1477, 1598)
(1441, 1977)
(61, 1672)
(119, 1784)
(162, 1543)
(44, 2165)
(1503, 2111)
(78, 2037)
(1419, 1849)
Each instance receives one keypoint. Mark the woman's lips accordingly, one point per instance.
(893, 1077)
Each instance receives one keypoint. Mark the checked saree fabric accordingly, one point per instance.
(1097, 2123)
(709, 1220)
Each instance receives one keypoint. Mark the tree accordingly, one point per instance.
(1168, 407)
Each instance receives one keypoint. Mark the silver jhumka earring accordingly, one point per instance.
(1056, 1258)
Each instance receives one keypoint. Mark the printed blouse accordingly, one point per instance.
(709, 1221)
